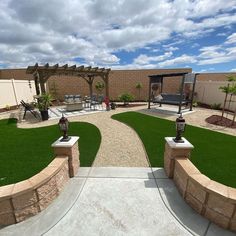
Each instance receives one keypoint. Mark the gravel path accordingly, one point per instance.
(196, 118)
(120, 145)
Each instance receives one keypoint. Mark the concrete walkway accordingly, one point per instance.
(117, 201)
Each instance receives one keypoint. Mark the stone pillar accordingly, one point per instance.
(71, 150)
(175, 150)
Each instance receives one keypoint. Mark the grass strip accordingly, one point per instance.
(214, 152)
(25, 152)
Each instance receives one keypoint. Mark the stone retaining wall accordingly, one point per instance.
(27, 198)
(211, 199)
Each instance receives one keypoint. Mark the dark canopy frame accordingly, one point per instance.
(159, 78)
(43, 73)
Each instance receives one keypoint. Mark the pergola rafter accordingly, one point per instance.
(43, 73)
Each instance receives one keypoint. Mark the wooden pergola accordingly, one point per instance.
(43, 73)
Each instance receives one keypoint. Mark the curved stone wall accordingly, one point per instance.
(27, 198)
(209, 198)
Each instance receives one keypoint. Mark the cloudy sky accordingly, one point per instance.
(120, 34)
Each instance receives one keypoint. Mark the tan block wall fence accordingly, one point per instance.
(120, 81)
(211, 199)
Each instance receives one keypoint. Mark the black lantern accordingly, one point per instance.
(64, 125)
(180, 127)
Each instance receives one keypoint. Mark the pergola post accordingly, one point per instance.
(194, 83)
(181, 94)
(105, 79)
(42, 86)
(36, 82)
(90, 83)
(149, 94)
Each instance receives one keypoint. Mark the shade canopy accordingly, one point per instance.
(187, 78)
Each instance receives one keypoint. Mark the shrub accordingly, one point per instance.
(195, 103)
(216, 106)
(126, 98)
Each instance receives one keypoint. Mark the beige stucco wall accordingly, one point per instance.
(208, 92)
(13, 91)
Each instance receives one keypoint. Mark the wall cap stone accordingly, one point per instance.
(6, 191)
(50, 171)
(187, 166)
(22, 187)
(232, 194)
(70, 143)
(200, 179)
(174, 145)
(218, 188)
(42, 177)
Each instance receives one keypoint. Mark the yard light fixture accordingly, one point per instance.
(180, 127)
(64, 126)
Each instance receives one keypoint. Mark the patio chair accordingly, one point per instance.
(69, 98)
(96, 101)
(87, 101)
(77, 98)
(29, 108)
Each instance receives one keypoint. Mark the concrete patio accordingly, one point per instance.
(117, 201)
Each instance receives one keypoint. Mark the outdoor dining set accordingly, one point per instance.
(77, 102)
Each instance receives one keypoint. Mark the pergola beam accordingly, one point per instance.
(87, 73)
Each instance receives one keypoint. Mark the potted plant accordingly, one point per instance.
(44, 101)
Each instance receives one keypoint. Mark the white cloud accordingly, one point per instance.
(178, 61)
(144, 59)
(216, 54)
(93, 31)
(233, 70)
(231, 39)
(221, 34)
(170, 48)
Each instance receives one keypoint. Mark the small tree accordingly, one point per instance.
(139, 87)
(230, 89)
(99, 86)
(126, 98)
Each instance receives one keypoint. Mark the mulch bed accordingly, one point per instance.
(130, 105)
(217, 120)
(8, 109)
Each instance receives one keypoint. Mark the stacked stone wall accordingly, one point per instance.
(29, 197)
(209, 198)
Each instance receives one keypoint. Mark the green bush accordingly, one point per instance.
(216, 106)
(126, 98)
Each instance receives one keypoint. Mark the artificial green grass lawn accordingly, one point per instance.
(213, 154)
(25, 152)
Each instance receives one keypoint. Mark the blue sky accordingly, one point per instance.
(119, 34)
